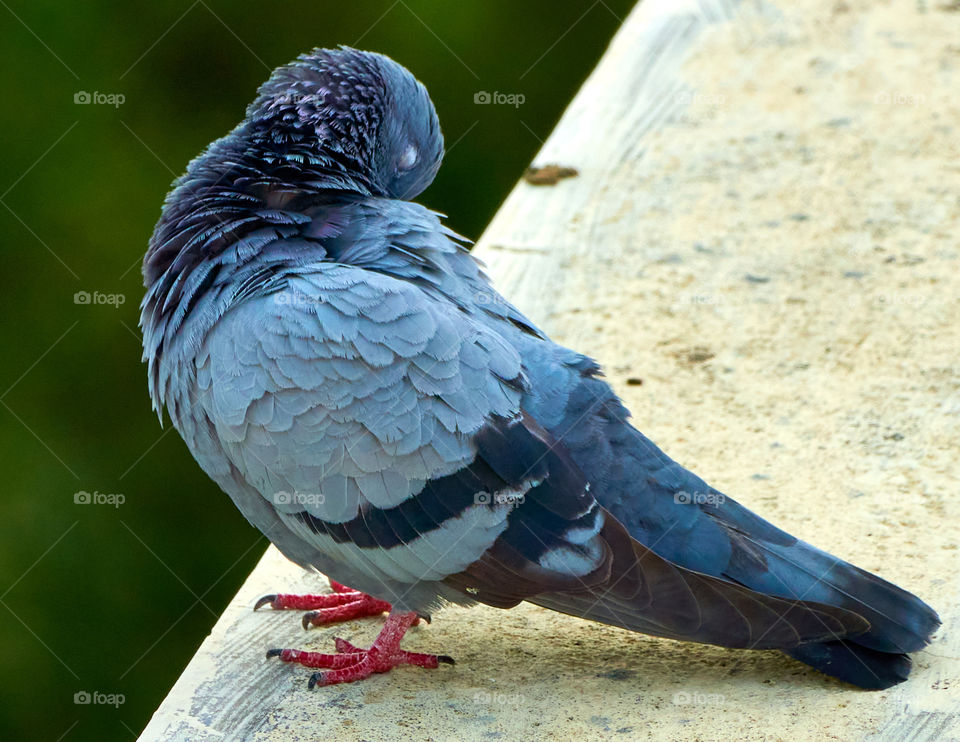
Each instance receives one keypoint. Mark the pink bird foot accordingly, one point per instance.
(343, 604)
(352, 663)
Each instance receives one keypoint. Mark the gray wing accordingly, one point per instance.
(376, 423)
(383, 433)
(376, 426)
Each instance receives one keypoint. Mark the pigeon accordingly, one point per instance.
(339, 363)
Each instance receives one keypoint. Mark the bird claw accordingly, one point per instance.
(271, 599)
(359, 606)
(343, 604)
(351, 663)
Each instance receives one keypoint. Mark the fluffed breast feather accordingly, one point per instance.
(384, 427)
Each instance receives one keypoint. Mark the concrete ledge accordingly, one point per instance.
(761, 248)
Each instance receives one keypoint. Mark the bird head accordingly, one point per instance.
(356, 114)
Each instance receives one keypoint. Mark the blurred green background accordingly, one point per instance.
(115, 598)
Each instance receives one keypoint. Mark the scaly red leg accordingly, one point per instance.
(352, 663)
(343, 604)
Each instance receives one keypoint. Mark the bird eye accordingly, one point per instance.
(409, 158)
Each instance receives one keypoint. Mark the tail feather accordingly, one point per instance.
(899, 621)
(647, 593)
(837, 618)
(854, 663)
